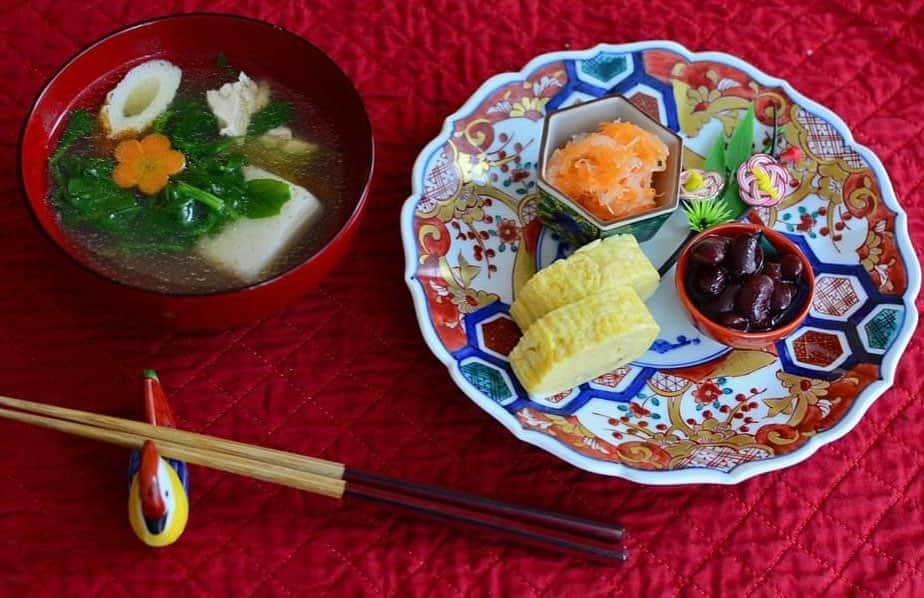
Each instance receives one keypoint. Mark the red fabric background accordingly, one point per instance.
(345, 374)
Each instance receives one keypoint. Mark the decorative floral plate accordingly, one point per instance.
(690, 410)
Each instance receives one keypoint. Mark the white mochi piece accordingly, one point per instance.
(247, 247)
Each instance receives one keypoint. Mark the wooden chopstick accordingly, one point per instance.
(322, 467)
(529, 532)
(260, 470)
(229, 447)
(577, 525)
(324, 477)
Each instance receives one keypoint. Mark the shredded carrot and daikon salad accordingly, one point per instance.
(609, 171)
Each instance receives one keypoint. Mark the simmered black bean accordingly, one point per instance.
(745, 257)
(773, 270)
(710, 251)
(782, 296)
(730, 319)
(791, 267)
(737, 286)
(753, 301)
(710, 280)
(724, 302)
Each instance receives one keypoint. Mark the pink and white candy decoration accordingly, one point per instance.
(762, 181)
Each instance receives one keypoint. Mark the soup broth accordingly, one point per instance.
(184, 271)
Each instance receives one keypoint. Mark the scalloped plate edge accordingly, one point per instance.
(676, 476)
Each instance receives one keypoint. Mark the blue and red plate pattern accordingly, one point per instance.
(690, 410)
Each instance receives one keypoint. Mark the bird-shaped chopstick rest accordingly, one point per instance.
(158, 504)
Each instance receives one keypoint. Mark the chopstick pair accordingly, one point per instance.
(328, 478)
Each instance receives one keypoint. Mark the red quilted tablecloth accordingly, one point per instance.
(345, 374)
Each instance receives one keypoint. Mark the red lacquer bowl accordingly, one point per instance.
(190, 40)
(730, 336)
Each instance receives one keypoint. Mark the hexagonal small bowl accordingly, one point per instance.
(570, 220)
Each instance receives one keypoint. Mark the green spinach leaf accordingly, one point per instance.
(221, 176)
(90, 199)
(276, 114)
(160, 123)
(264, 198)
(169, 222)
(192, 128)
(80, 125)
(210, 200)
(210, 192)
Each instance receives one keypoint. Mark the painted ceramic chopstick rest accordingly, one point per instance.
(158, 495)
(562, 533)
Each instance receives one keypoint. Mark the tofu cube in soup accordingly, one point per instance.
(247, 247)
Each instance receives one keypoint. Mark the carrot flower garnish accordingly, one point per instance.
(147, 164)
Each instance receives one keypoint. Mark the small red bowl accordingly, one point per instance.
(190, 40)
(730, 336)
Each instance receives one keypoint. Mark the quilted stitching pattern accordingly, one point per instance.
(344, 374)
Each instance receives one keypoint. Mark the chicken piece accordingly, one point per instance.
(235, 103)
(282, 133)
(281, 138)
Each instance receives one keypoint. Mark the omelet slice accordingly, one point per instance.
(583, 340)
(598, 266)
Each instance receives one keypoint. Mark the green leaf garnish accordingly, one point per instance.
(191, 127)
(706, 213)
(264, 198)
(276, 114)
(80, 125)
(201, 200)
(727, 159)
(774, 133)
(740, 146)
(715, 161)
(770, 251)
(160, 123)
(202, 196)
(737, 153)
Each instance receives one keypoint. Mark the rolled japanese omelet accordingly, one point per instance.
(601, 265)
(583, 340)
